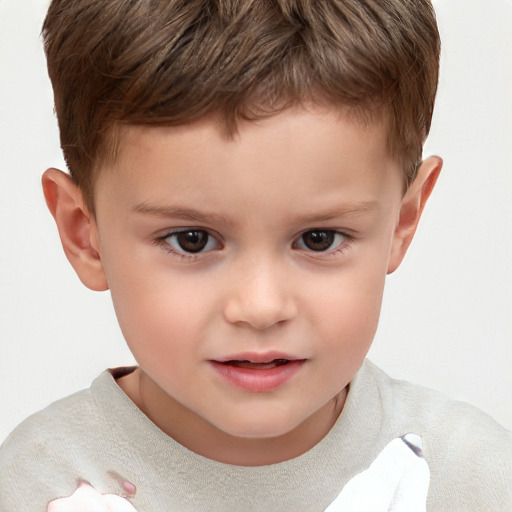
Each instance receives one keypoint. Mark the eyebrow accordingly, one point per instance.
(180, 212)
(184, 213)
(347, 209)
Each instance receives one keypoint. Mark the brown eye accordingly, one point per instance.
(320, 240)
(191, 241)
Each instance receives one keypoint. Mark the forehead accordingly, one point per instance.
(307, 152)
(315, 124)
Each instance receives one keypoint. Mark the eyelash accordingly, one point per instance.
(162, 242)
(340, 249)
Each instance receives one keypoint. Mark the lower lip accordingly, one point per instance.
(256, 380)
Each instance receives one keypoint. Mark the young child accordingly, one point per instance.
(244, 175)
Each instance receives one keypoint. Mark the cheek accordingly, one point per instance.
(350, 328)
(158, 317)
(350, 310)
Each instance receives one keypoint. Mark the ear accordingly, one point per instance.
(411, 208)
(77, 228)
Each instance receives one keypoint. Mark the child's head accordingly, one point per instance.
(246, 235)
(167, 62)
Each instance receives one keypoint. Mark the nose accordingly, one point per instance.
(260, 296)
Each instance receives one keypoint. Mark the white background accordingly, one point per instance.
(447, 314)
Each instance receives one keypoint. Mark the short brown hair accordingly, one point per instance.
(170, 62)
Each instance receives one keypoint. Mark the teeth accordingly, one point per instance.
(257, 366)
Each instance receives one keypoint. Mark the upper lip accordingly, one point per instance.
(258, 357)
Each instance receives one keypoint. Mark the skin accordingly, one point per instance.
(257, 287)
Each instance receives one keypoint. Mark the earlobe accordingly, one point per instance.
(411, 209)
(77, 228)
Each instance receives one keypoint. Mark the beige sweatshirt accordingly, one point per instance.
(395, 447)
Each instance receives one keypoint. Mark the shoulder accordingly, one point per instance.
(404, 401)
(43, 450)
(46, 430)
(48, 426)
(71, 418)
(469, 454)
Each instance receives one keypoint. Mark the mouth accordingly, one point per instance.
(257, 372)
(253, 365)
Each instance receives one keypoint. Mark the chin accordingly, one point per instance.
(264, 426)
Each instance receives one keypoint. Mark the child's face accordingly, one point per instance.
(271, 247)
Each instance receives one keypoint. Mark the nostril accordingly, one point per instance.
(261, 314)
